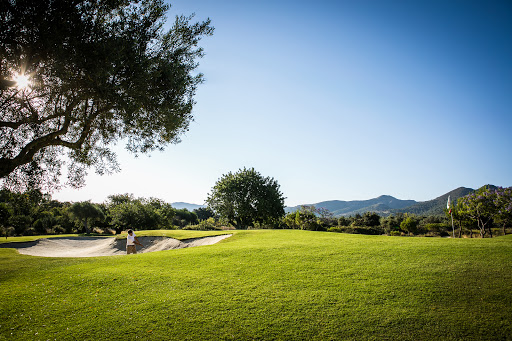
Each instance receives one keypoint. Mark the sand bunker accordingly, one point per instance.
(98, 246)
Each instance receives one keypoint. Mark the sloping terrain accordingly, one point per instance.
(382, 204)
(435, 206)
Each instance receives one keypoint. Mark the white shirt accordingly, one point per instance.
(130, 240)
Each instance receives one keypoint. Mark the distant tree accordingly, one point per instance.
(184, 217)
(326, 218)
(117, 199)
(5, 214)
(480, 207)
(99, 72)
(204, 213)
(460, 219)
(306, 218)
(21, 224)
(392, 222)
(22, 208)
(343, 221)
(124, 216)
(371, 219)
(166, 215)
(45, 222)
(410, 224)
(246, 197)
(357, 220)
(86, 212)
(134, 214)
(64, 218)
(289, 220)
(503, 203)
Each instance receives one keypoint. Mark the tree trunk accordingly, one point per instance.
(481, 227)
(86, 226)
(504, 230)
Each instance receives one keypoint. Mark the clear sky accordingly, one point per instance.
(339, 100)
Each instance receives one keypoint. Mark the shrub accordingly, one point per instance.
(369, 230)
(204, 225)
(410, 224)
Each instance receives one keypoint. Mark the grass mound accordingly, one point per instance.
(284, 285)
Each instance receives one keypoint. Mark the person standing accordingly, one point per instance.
(131, 242)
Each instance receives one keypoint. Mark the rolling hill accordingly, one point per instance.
(383, 204)
(386, 204)
(435, 206)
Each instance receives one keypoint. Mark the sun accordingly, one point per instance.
(22, 81)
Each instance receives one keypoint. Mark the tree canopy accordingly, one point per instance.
(86, 212)
(246, 197)
(487, 205)
(81, 75)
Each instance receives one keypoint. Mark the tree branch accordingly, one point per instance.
(53, 139)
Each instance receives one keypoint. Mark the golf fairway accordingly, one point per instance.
(267, 285)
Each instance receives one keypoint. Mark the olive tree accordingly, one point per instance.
(81, 75)
(246, 197)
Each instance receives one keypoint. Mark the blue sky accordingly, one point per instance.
(341, 100)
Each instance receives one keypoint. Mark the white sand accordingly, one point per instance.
(97, 246)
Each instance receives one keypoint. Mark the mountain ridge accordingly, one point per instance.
(387, 204)
(436, 206)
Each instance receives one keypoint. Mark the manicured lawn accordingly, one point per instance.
(267, 285)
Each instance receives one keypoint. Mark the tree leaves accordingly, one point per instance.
(246, 197)
(101, 71)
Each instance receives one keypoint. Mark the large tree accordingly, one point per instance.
(247, 197)
(481, 207)
(81, 75)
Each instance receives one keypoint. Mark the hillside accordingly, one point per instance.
(436, 206)
(383, 204)
(386, 204)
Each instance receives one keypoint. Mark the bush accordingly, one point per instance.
(204, 225)
(437, 228)
(58, 229)
(369, 230)
(410, 224)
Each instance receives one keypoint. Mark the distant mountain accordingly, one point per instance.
(382, 205)
(386, 204)
(190, 207)
(436, 206)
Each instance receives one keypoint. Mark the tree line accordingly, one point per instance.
(319, 219)
(242, 200)
(35, 213)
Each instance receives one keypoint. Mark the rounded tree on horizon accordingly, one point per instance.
(246, 197)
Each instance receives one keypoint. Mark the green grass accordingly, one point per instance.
(267, 285)
(31, 238)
